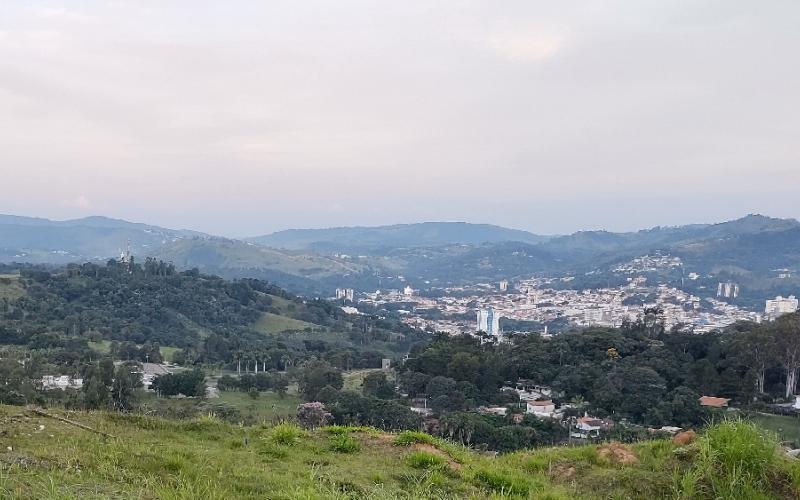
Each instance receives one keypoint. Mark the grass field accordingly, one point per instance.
(281, 304)
(204, 458)
(168, 352)
(787, 428)
(273, 323)
(268, 406)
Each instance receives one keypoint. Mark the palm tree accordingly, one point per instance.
(286, 360)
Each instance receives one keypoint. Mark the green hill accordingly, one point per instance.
(424, 234)
(67, 316)
(41, 457)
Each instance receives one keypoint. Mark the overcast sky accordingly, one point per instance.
(243, 117)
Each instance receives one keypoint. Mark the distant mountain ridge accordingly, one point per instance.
(315, 261)
(30, 239)
(424, 234)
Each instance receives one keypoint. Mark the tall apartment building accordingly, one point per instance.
(780, 305)
(345, 293)
(488, 321)
(727, 290)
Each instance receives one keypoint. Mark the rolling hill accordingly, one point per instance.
(425, 234)
(313, 262)
(27, 239)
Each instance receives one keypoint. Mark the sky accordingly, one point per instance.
(240, 118)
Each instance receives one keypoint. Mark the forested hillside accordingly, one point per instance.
(66, 315)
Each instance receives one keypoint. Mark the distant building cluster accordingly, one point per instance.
(727, 290)
(345, 294)
(780, 305)
(62, 382)
(542, 302)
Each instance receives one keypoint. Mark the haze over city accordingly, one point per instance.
(241, 118)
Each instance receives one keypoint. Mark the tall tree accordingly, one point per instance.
(787, 347)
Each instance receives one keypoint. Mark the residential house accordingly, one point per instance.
(542, 408)
(152, 370)
(61, 382)
(494, 410)
(588, 427)
(714, 402)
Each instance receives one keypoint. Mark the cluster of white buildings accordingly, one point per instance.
(534, 301)
(62, 382)
(539, 300)
(780, 305)
(648, 263)
(345, 294)
(149, 372)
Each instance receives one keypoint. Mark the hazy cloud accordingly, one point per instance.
(245, 117)
(80, 202)
(530, 46)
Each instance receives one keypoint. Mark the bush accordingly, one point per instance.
(424, 460)
(735, 459)
(286, 434)
(341, 443)
(407, 438)
(313, 415)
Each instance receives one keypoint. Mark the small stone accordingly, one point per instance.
(10, 448)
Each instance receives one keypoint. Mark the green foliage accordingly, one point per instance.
(315, 376)
(127, 379)
(502, 481)
(286, 434)
(408, 438)
(341, 443)
(350, 408)
(424, 460)
(188, 383)
(136, 312)
(737, 460)
(376, 385)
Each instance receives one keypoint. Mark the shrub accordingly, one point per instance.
(286, 434)
(407, 438)
(735, 459)
(424, 460)
(312, 415)
(341, 443)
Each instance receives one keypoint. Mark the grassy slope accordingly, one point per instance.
(787, 428)
(207, 459)
(268, 406)
(273, 323)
